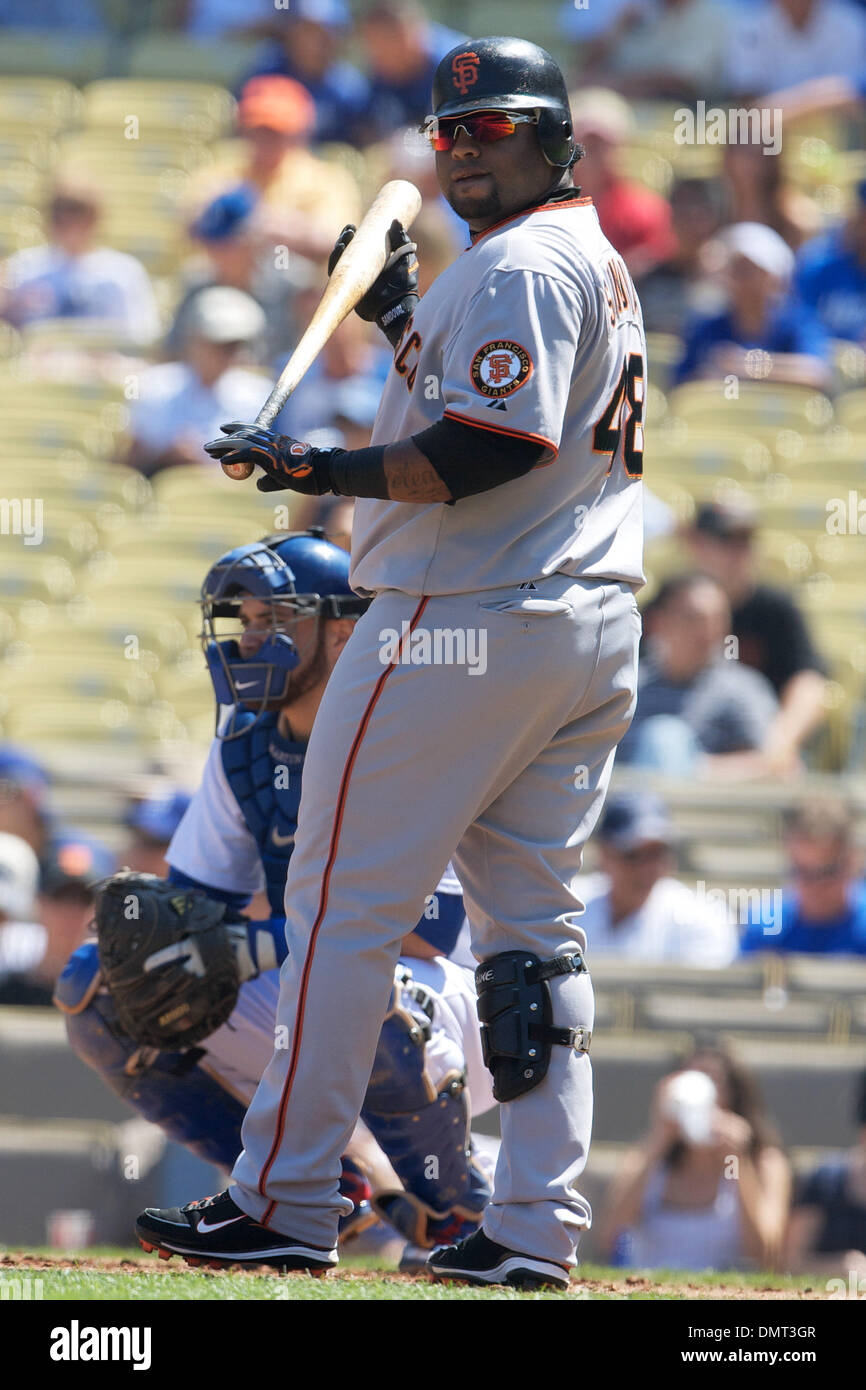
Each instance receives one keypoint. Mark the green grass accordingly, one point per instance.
(79, 1287)
(141, 1279)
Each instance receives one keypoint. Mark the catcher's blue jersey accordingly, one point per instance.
(247, 804)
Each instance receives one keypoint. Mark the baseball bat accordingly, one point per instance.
(360, 264)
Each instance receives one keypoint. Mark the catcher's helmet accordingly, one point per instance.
(304, 572)
(508, 75)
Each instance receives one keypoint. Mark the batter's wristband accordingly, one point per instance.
(393, 320)
(359, 472)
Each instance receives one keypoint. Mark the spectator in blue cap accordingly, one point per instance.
(225, 216)
(635, 908)
(306, 46)
(237, 252)
(151, 822)
(830, 277)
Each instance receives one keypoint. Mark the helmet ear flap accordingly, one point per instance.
(556, 138)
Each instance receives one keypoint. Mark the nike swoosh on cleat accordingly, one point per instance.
(203, 1226)
(279, 839)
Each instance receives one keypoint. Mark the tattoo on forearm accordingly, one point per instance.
(411, 476)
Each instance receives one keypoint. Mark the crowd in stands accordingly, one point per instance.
(637, 908)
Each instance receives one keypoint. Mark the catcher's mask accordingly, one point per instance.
(299, 575)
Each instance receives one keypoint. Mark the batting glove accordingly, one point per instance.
(390, 301)
(287, 462)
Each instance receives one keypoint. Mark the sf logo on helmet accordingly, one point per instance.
(464, 66)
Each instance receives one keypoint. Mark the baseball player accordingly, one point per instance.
(163, 1021)
(476, 708)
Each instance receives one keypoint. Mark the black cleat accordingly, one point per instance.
(214, 1231)
(478, 1260)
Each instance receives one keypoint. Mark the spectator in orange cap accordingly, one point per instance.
(307, 200)
(306, 44)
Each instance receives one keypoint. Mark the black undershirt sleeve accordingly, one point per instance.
(471, 459)
(468, 459)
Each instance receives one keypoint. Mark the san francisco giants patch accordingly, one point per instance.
(500, 367)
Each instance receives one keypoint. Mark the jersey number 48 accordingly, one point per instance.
(622, 420)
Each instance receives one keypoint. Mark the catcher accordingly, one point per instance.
(175, 1005)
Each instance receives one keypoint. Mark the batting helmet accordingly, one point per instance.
(303, 572)
(508, 75)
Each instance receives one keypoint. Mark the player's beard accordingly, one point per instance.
(473, 208)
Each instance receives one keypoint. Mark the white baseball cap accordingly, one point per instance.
(225, 315)
(760, 245)
(19, 877)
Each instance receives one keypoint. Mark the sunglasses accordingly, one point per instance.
(485, 127)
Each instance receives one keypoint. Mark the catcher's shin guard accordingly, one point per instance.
(168, 1088)
(422, 1126)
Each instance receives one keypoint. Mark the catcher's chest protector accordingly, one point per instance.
(264, 773)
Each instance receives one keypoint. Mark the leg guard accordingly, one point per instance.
(168, 1088)
(516, 1013)
(422, 1126)
(171, 1090)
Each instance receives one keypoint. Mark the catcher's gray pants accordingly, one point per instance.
(507, 758)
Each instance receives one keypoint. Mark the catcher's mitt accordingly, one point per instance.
(167, 958)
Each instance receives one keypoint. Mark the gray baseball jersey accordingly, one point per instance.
(536, 331)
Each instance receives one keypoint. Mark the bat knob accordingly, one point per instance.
(238, 471)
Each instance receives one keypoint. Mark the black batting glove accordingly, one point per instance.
(390, 301)
(287, 463)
